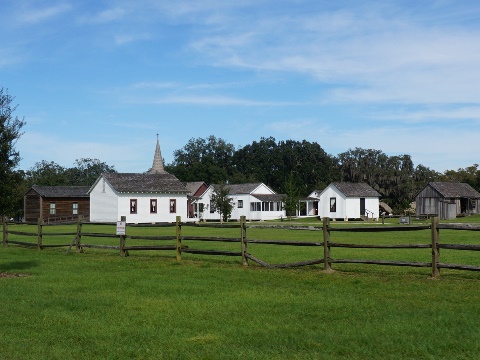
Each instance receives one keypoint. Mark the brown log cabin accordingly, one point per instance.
(56, 203)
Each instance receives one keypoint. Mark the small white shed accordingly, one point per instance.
(343, 200)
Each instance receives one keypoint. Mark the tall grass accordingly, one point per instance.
(148, 306)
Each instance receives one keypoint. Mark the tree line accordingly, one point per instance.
(297, 168)
(294, 168)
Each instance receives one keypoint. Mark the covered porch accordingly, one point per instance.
(308, 207)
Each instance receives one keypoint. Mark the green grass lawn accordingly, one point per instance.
(148, 306)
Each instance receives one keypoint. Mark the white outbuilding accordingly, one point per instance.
(344, 201)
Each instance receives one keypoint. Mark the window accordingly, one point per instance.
(173, 205)
(201, 207)
(333, 204)
(240, 204)
(212, 208)
(133, 206)
(255, 206)
(153, 206)
(52, 209)
(75, 209)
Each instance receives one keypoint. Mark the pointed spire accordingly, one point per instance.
(157, 167)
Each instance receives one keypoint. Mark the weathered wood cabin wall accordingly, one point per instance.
(37, 206)
(33, 205)
(430, 201)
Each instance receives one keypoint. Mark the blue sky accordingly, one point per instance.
(99, 79)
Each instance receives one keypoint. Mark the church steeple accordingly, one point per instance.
(157, 167)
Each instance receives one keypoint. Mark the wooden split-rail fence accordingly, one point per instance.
(327, 260)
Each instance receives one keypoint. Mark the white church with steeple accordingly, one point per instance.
(151, 197)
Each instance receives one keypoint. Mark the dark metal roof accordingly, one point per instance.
(269, 197)
(145, 183)
(62, 191)
(356, 189)
(455, 190)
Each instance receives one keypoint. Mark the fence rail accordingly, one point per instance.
(79, 241)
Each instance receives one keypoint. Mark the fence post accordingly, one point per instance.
(123, 237)
(5, 231)
(243, 237)
(178, 227)
(40, 234)
(326, 245)
(78, 240)
(435, 249)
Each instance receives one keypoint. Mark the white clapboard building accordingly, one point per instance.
(156, 196)
(255, 201)
(344, 200)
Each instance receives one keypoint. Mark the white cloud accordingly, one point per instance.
(35, 147)
(130, 38)
(296, 128)
(216, 100)
(429, 145)
(124, 11)
(108, 15)
(367, 57)
(42, 14)
(9, 57)
(434, 113)
(432, 146)
(154, 85)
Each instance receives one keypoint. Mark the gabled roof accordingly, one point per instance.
(454, 189)
(243, 189)
(193, 186)
(61, 191)
(238, 189)
(356, 189)
(144, 183)
(248, 188)
(269, 197)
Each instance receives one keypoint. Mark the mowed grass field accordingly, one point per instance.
(97, 304)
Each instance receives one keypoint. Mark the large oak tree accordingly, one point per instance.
(10, 131)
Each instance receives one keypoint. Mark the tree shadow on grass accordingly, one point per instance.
(18, 265)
